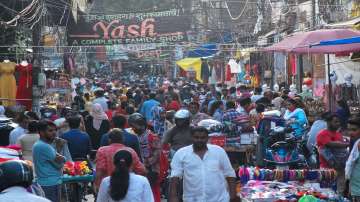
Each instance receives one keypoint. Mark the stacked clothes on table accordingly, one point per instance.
(270, 191)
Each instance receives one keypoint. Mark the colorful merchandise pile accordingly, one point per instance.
(265, 191)
(315, 108)
(239, 132)
(252, 173)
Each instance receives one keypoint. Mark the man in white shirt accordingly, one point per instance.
(16, 133)
(100, 99)
(206, 172)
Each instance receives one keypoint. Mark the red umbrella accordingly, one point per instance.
(301, 42)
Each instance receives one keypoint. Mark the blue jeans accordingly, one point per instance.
(53, 193)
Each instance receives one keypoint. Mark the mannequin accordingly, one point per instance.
(307, 79)
(24, 63)
(334, 91)
(293, 90)
(25, 84)
(333, 77)
(7, 82)
(348, 90)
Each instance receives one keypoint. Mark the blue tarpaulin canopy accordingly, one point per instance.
(339, 41)
(204, 51)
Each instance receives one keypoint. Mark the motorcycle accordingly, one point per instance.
(311, 155)
(283, 151)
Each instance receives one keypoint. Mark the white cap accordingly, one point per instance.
(182, 114)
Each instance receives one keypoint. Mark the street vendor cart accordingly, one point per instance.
(77, 180)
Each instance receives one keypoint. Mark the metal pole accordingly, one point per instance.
(36, 92)
(330, 86)
(313, 14)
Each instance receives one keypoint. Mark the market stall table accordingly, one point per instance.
(248, 150)
(272, 191)
(76, 184)
(77, 175)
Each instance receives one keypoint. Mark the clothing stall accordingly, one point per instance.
(16, 91)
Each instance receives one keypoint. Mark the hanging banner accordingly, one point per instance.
(129, 28)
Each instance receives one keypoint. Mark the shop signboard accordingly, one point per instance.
(165, 27)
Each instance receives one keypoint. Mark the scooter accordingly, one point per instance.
(283, 152)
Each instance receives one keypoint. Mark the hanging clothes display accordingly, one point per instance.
(24, 90)
(335, 95)
(219, 72)
(279, 63)
(292, 61)
(205, 72)
(212, 79)
(234, 66)
(255, 76)
(7, 83)
(228, 73)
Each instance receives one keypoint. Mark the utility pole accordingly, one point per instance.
(36, 90)
(313, 24)
(205, 18)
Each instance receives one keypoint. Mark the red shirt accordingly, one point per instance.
(173, 105)
(323, 138)
(105, 155)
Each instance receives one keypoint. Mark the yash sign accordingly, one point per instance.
(157, 27)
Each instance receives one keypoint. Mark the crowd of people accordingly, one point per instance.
(131, 129)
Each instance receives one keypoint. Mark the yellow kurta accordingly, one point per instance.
(7, 83)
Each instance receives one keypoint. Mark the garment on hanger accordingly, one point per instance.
(335, 95)
(228, 73)
(7, 83)
(24, 90)
(218, 71)
(213, 79)
(205, 72)
(292, 60)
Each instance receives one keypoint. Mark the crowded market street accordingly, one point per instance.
(180, 101)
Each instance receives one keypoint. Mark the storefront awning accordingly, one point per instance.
(352, 40)
(302, 42)
(204, 51)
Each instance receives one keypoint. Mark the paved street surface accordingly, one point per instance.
(90, 198)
